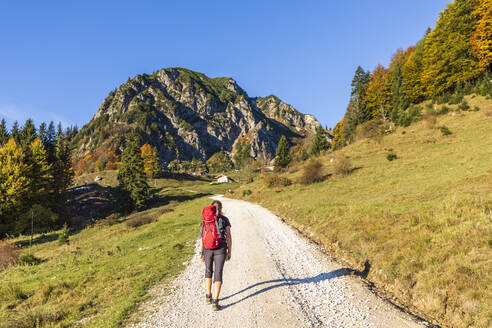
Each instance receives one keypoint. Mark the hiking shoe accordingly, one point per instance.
(208, 298)
(215, 305)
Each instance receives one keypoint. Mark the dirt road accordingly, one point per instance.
(274, 279)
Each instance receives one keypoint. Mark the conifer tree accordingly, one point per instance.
(283, 155)
(131, 175)
(320, 142)
(28, 134)
(356, 111)
(14, 132)
(4, 134)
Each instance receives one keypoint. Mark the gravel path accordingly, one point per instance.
(274, 279)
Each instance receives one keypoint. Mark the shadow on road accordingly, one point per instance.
(286, 282)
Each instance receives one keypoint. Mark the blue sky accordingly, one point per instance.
(60, 59)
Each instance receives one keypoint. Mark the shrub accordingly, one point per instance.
(464, 105)
(313, 172)
(247, 192)
(139, 221)
(29, 259)
(343, 166)
(445, 130)
(9, 254)
(391, 156)
(430, 120)
(476, 109)
(277, 181)
(412, 114)
(112, 219)
(63, 237)
(444, 110)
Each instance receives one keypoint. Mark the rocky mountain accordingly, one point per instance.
(187, 115)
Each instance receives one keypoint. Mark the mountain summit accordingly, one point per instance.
(187, 115)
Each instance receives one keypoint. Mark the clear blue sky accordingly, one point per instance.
(60, 59)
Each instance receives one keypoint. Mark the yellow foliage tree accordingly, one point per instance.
(448, 56)
(13, 181)
(150, 160)
(378, 93)
(481, 40)
(338, 140)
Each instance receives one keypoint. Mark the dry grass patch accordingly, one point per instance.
(9, 254)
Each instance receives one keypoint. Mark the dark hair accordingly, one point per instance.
(218, 204)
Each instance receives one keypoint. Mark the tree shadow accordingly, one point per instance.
(41, 239)
(286, 282)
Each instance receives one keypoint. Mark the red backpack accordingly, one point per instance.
(211, 227)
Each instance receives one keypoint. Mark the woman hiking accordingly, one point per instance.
(216, 249)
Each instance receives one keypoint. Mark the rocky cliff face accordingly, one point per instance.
(187, 115)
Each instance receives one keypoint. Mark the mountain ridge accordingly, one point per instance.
(187, 115)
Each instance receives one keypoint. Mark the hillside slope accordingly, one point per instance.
(187, 115)
(422, 221)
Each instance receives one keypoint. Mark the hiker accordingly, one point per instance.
(216, 249)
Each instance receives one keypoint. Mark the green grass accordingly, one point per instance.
(424, 220)
(100, 277)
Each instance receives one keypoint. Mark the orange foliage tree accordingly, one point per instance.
(378, 93)
(481, 39)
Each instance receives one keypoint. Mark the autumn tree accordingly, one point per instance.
(150, 160)
(338, 140)
(283, 155)
(219, 162)
(378, 94)
(320, 142)
(412, 74)
(14, 184)
(131, 175)
(398, 100)
(481, 39)
(448, 56)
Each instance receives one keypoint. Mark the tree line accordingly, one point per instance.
(454, 57)
(35, 171)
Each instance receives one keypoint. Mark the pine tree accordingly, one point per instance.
(320, 143)
(131, 175)
(62, 166)
(356, 111)
(28, 134)
(283, 155)
(14, 132)
(150, 160)
(4, 134)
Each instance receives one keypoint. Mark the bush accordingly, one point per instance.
(63, 237)
(313, 172)
(409, 116)
(445, 130)
(29, 259)
(343, 166)
(444, 110)
(464, 106)
(277, 181)
(476, 109)
(139, 221)
(247, 192)
(9, 254)
(391, 156)
(430, 120)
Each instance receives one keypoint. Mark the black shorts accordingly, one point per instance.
(214, 257)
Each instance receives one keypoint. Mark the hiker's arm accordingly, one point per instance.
(201, 254)
(229, 243)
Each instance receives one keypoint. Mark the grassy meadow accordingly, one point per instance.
(423, 220)
(99, 278)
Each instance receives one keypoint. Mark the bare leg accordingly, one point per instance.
(218, 285)
(208, 285)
